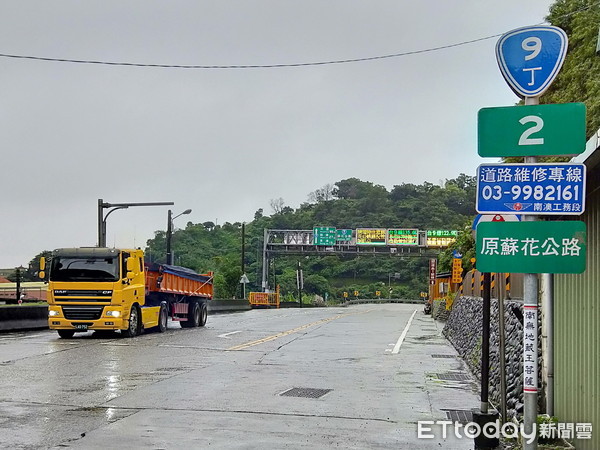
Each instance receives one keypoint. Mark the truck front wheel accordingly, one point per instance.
(134, 323)
(162, 318)
(66, 334)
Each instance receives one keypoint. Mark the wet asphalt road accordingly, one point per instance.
(220, 386)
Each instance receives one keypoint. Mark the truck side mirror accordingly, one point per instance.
(130, 267)
(41, 273)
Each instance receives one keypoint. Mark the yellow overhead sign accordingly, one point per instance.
(403, 237)
(370, 236)
(440, 238)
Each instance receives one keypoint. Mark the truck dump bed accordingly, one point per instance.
(178, 280)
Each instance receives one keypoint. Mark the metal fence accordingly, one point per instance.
(511, 283)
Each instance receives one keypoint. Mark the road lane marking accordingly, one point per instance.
(288, 332)
(225, 335)
(403, 335)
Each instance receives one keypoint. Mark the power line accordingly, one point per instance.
(246, 66)
(269, 66)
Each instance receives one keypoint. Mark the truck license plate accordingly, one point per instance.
(81, 326)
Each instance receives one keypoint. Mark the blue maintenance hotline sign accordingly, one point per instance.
(534, 189)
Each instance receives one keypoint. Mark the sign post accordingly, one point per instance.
(529, 59)
(244, 281)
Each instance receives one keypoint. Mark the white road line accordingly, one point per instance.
(403, 335)
(224, 335)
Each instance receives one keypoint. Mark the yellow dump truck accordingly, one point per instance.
(94, 288)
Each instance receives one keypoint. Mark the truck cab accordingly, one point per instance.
(96, 289)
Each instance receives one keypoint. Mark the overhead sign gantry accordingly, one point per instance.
(324, 241)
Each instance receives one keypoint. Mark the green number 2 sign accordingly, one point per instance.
(536, 130)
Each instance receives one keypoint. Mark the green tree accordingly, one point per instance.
(579, 78)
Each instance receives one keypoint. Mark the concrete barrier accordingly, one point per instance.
(219, 306)
(24, 317)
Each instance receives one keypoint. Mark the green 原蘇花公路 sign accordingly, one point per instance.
(532, 247)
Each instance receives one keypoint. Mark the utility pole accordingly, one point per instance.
(300, 283)
(168, 237)
(243, 248)
(265, 261)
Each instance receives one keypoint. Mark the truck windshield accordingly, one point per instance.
(84, 269)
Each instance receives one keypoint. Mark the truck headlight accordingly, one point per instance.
(53, 313)
(113, 313)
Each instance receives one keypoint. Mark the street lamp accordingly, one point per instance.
(102, 218)
(170, 220)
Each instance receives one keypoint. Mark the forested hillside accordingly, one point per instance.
(349, 203)
(579, 78)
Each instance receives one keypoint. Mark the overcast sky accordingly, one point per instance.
(224, 142)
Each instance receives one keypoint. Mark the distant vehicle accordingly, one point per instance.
(427, 308)
(92, 288)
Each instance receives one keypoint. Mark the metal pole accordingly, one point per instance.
(530, 336)
(547, 280)
(298, 282)
(485, 344)
(264, 264)
(169, 234)
(18, 282)
(243, 249)
(502, 336)
(101, 230)
(115, 206)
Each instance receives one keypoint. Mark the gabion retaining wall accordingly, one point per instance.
(463, 330)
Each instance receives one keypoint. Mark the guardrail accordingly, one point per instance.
(384, 300)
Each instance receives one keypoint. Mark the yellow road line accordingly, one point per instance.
(295, 330)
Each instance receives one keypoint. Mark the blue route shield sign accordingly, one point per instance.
(531, 57)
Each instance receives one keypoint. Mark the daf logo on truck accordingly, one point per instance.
(113, 289)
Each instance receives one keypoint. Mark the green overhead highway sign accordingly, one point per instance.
(537, 130)
(343, 235)
(531, 247)
(324, 236)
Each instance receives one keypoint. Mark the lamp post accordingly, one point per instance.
(102, 205)
(18, 278)
(170, 220)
